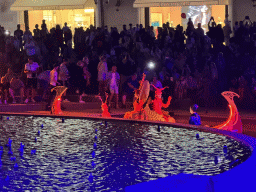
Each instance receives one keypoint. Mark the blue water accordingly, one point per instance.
(126, 154)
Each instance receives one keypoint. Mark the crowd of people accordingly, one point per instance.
(193, 63)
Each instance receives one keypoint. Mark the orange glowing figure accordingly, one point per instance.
(56, 106)
(104, 107)
(158, 104)
(139, 100)
(233, 123)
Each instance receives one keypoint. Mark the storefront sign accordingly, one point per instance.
(58, 7)
(187, 3)
(158, 3)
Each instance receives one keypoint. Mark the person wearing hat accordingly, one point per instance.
(194, 117)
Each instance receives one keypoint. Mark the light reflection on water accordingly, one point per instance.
(126, 154)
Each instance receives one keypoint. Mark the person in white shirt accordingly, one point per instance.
(102, 75)
(53, 83)
(63, 75)
(31, 69)
(113, 81)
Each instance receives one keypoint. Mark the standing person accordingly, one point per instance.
(129, 88)
(66, 32)
(5, 82)
(227, 32)
(59, 37)
(63, 75)
(31, 69)
(19, 33)
(84, 80)
(27, 35)
(30, 47)
(36, 32)
(113, 82)
(53, 83)
(44, 80)
(16, 85)
(102, 75)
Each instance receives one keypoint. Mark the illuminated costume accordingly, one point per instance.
(104, 107)
(158, 114)
(56, 105)
(233, 123)
(141, 96)
(194, 117)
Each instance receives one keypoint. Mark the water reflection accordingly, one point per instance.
(126, 154)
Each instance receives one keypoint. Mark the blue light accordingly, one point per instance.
(33, 152)
(42, 125)
(16, 165)
(7, 178)
(216, 161)
(90, 178)
(225, 149)
(93, 164)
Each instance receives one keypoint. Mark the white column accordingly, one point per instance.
(230, 13)
(20, 19)
(142, 16)
(98, 14)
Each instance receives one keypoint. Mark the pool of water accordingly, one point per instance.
(123, 154)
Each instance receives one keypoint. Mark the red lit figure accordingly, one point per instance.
(56, 105)
(104, 107)
(158, 104)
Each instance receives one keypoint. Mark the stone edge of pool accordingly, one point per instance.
(238, 178)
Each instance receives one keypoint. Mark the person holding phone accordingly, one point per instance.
(31, 69)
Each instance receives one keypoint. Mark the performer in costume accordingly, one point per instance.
(194, 118)
(140, 98)
(158, 113)
(104, 107)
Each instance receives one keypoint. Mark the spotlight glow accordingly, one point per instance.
(151, 65)
(7, 32)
